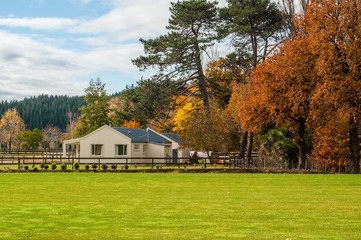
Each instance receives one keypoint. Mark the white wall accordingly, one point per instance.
(152, 151)
(106, 137)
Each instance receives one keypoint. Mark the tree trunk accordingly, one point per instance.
(201, 78)
(301, 144)
(250, 146)
(354, 147)
(242, 149)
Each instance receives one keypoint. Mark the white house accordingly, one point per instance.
(113, 142)
(177, 150)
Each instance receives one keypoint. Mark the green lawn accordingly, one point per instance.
(179, 206)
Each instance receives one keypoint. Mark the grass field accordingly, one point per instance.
(179, 206)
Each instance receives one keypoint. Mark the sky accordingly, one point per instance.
(57, 46)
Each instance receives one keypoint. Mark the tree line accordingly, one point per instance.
(43, 110)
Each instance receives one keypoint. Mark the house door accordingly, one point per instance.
(175, 155)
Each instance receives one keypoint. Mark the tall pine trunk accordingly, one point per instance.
(201, 78)
(354, 142)
(243, 146)
(249, 149)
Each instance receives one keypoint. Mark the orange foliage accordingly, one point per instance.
(331, 151)
(130, 124)
(314, 78)
(333, 29)
(280, 92)
(281, 89)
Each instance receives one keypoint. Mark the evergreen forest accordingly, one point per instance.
(39, 111)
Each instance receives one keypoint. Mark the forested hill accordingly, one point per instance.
(40, 111)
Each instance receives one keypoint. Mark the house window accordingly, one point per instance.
(121, 150)
(97, 149)
(136, 147)
(144, 148)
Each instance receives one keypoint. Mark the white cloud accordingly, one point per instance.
(39, 23)
(131, 21)
(29, 68)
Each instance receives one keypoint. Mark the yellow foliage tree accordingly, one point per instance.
(11, 125)
(197, 131)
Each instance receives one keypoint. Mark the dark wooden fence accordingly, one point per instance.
(20, 158)
(120, 161)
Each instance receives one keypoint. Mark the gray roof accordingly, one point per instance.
(141, 135)
(173, 136)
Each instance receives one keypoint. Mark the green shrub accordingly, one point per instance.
(63, 166)
(54, 166)
(104, 166)
(42, 166)
(26, 167)
(126, 167)
(35, 169)
(157, 167)
(277, 146)
(76, 165)
(46, 166)
(94, 166)
(114, 166)
(87, 167)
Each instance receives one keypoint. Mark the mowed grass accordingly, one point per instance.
(179, 206)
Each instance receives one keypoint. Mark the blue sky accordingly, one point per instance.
(57, 46)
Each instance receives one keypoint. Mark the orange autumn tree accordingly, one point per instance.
(330, 142)
(131, 124)
(281, 91)
(11, 124)
(333, 29)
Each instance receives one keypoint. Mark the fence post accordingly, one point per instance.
(72, 164)
(99, 163)
(19, 163)
(152, 163)
(178, 161)
(205, 163)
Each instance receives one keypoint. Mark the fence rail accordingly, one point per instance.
(20, 158)
(134, 161)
